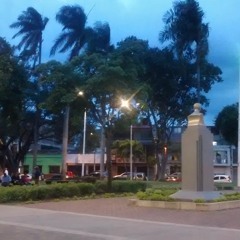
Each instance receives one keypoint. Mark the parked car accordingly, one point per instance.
(126, 176)
(174, 177)
(140, 176)
(69, 174)
(54, 178)
(97, 174)
(122, 176)
(222, 178)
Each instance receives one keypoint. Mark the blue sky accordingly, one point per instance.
(143, 19)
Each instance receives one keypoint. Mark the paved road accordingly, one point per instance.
(103, 219)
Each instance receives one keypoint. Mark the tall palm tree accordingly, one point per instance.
(73, 37)
(188, 34)
(31, 26)
(99, 39)
(74, 33)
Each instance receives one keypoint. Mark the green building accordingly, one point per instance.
(48, 163)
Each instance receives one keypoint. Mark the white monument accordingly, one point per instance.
(197, 160)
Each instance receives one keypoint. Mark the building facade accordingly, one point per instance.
(225, 160)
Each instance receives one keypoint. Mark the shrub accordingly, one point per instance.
(44, 192)
(119, 186)
(88, 179)
(100, 187)
(128, 186)
(156, 194)
(67, 190)
(199, 200)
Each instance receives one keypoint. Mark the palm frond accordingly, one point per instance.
(61, 40)
(72, 17)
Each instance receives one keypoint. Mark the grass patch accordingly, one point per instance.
(156, 194)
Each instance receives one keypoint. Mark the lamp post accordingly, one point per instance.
(131, 155)
(84, 140)
(65, 142)
(125, 103)
(238, 165)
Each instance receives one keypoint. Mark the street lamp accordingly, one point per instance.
(84, 140)
(65, 137)
(131, 160)
(238, 162)
(81, 93)
(65, 141)
(125, 104)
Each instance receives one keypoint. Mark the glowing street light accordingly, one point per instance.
(81, 93)
(125, 104)
(131, 155)
(65, 141)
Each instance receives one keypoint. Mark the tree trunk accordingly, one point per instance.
(109, 160)
(102, 146)
(65, 141)
(35, 139)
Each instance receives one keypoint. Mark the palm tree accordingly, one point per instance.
(99, 39)
(188, 34)
(74, 33)
(73, 37)
(31, 25)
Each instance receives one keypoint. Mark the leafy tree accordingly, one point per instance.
(15, 127)
(60, 84)
(74, 33)
(31, 25)
(170, 95)
(227, 123)
(107, 77)
(122, 148)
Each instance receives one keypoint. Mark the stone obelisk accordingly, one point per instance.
(197, 160)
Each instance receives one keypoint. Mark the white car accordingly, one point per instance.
(222, 178)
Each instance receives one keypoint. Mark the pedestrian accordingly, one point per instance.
(16, 178)
(6, 171)
(36, 175)
(6, 180)
(25, 179)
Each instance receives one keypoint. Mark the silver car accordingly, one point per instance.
(222, 178)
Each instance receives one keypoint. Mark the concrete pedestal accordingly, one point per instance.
(197, 160)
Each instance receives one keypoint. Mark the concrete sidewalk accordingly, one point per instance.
(119, 207)
(108, 219)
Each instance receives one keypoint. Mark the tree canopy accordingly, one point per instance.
(227, 123)
(160, 83)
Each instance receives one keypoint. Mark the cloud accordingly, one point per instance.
(128, 5)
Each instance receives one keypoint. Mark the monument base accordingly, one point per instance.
(193, 195)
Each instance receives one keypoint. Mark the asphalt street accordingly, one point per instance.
(22, 222)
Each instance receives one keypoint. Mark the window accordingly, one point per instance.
(221, 157)
(177, 130)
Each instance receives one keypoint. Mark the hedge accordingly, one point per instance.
(66, 190)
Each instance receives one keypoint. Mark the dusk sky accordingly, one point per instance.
(143, 19)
